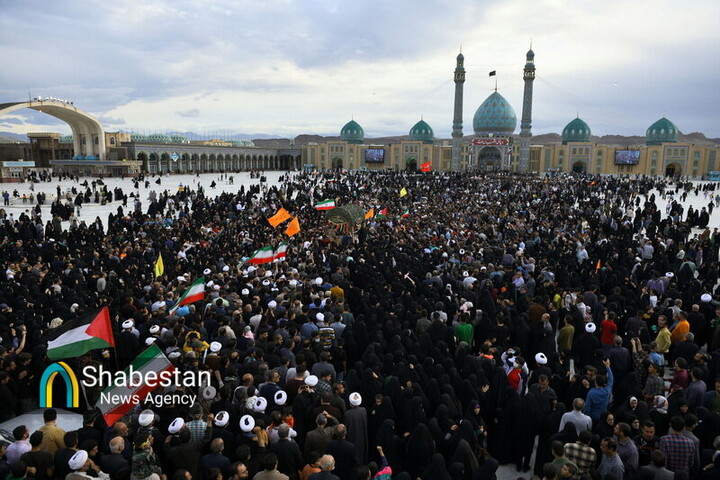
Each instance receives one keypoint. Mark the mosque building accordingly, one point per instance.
(495, 146)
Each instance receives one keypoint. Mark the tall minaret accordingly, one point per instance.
(526, 122)
(457, 133)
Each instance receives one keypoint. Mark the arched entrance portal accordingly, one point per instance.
(489, 159)
(411, 164)
(337, 164)
(578, 167)
(83, 126)
(672, 170)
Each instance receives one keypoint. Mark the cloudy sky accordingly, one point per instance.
(288, 67)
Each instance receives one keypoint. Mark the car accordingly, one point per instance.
(66, 420)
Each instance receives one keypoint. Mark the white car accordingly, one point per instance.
(66, 420)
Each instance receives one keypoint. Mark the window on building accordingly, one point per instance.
(653, 163)
(548, 159)
(711, 160)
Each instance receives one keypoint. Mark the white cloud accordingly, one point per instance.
(290, 67)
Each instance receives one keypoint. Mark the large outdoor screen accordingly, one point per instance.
(374, 155)
(627, 157)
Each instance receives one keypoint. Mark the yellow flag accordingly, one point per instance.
(159, 266)
(403, 192)
(370, 214)
(293, 227)
(279, 217)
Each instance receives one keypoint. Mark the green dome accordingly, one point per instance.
(576, 131)
(352, 132)
(495, 116)
(158, 138)
(421, 132)
(662, 131)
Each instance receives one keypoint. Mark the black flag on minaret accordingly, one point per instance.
(492, 74)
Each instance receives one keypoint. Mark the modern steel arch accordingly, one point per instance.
(86, 130)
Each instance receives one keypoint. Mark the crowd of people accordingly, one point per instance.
(472, 322)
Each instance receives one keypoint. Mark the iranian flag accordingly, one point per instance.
(325, 205)
(281, 251)
(194, 293)
(73, 338)
(116, 400)
(262, 255)
(406, 213)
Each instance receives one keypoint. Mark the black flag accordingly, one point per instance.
(492, 74)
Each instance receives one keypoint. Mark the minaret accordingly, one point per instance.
(526, 122)
(457, 133)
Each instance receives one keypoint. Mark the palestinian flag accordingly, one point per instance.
(406, 213)
(73, 338)
(194, 293)
(281, 251)
(116, 401)
(262, 255)
(383, 213)
(325, 205)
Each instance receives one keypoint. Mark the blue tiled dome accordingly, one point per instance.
(495, 115)
(352, 132)
(576, 131)
(662, 131)
(421, 132)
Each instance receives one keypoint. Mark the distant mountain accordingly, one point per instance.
(9, 137)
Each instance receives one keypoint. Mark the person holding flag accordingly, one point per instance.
(159, 269)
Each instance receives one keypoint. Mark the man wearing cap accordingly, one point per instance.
(80, 464)
(220, 430)
(357, 423)
(186, 455)
(146, 422)
(127, 344)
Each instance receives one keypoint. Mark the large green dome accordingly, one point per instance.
(576, 131)
(421, 132)
(352, 132)
(495, 116)
(662, 131)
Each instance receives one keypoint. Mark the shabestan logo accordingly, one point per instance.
(72, 398)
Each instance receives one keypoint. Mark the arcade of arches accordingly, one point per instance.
(163, 162)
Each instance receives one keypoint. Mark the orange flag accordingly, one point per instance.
(598, 265)
(370, 214)
(293, 227)
(279, 217)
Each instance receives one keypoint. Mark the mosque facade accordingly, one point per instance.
(495, 145)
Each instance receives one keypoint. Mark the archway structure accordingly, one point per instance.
(88, 134)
